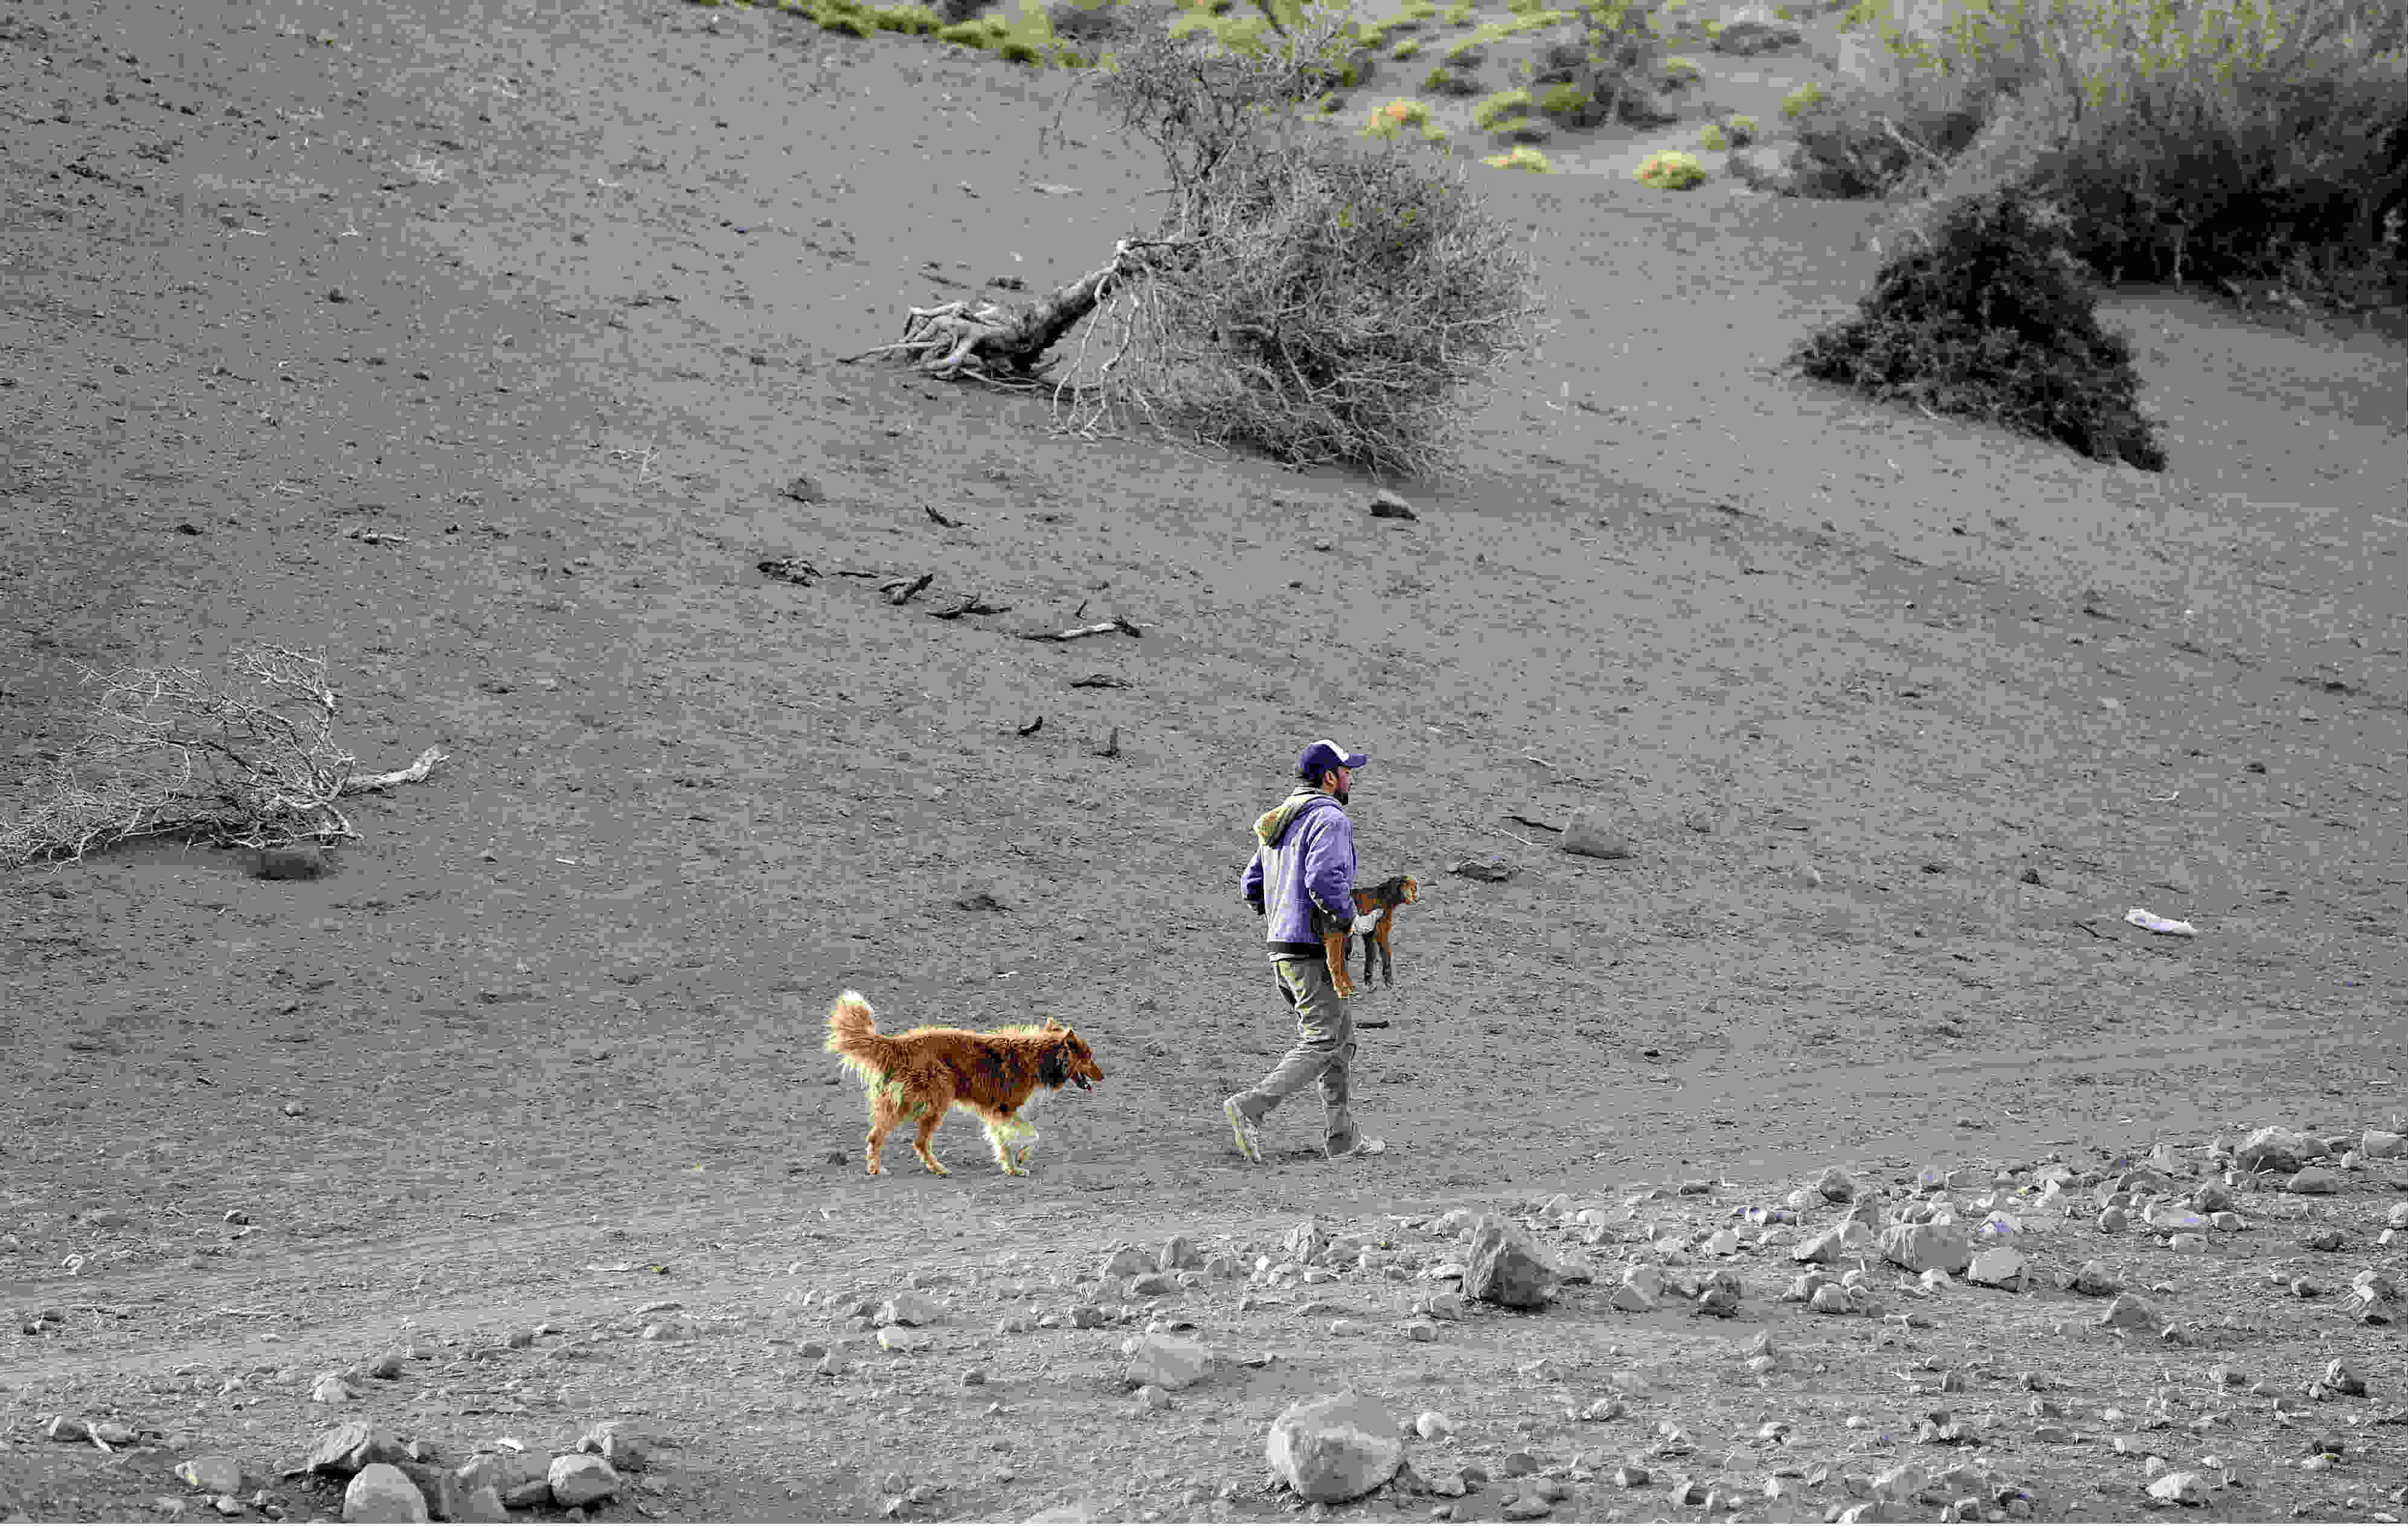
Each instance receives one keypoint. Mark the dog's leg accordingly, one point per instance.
(1025, 1147)
(928, 1121)
(883, 1119)
(998, 1139)
(1387, 954)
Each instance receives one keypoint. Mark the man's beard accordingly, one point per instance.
(1342, 795)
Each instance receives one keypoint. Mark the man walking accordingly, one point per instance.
(1301, 880)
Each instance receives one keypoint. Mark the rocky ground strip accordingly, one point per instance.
(1993, 1342)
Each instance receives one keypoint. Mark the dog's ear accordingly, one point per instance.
(1054, 1069)
(1053, 1024)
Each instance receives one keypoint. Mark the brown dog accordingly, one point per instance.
(920, 1074)
(1403, 890)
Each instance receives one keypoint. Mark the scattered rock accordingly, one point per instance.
(909, 1308)
(1926, 1247)
(2179, 1488)
(216, 1474)
(619, 1443)
(2381, 1145)
(2093, 1281)
(344, 1450)
(581, 1479)
(2275, 1149)
(1386, 505)
(2001, 1266)
(1506, 1266)
(1836, 1185)
(1494, 871)
(1334, 1448)
(383, 1493)
(2314, 1179)
(2130, 1312)
(1168, 1362)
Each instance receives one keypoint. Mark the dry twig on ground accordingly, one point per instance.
(167, 752)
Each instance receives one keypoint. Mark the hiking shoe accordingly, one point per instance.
(1359, 1148)
(1250, 1140)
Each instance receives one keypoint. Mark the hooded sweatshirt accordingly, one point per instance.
(1304, 860)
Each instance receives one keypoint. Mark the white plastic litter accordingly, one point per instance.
(2154, 923)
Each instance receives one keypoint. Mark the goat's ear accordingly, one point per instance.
(1053, 1024)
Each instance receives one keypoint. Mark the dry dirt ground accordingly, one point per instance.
(553, 294)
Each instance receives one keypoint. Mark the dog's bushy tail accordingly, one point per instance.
(853, 1037)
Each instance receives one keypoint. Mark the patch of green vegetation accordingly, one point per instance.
(1680, 71)
(1801, 100)
(1564, 99)
(1743, 131)
(1521, 156)
(1468, 52)
(1713, 139)
(1496, 108)
(1458, 14)
(1672, 170)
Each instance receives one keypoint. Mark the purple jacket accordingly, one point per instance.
(1304, 857)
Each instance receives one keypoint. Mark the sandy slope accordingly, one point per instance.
(594, 263)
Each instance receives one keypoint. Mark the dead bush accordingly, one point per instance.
(1324, 300)
(166, 752)
(1987, 315)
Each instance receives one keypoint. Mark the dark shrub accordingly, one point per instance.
(1988, 317)
(1853, 144)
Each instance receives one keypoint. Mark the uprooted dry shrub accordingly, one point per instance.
(169, 753)
(1331, 303)
(1320, 299)
(1986, 314)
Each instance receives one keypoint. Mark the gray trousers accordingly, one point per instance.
(1323, 1056)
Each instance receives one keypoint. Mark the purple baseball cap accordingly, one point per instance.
(1326, 756)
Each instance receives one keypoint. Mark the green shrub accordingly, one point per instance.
(1743, 131)
(1524, 8)
(1988, 317)
(1018, 50)
(1521, 156)
(1713, 139)
(1468, 54)
(1680, 71)
(1853, 143)
(1415, 12)
(1458, 14)
(1804, 98)
(1405, 49)
(911, 21)
(2222, 142)
(1672, 170)
(1564, 100)
(1505, 103)
(1712, 29)
(851, 20)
